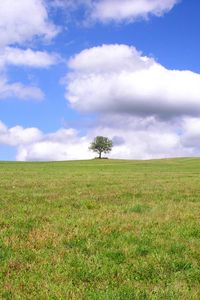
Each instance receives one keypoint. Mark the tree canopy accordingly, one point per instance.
(101, 145)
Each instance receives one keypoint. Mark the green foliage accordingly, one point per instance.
(101, 145)
(100, 229)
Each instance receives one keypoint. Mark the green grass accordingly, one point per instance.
(110, 230)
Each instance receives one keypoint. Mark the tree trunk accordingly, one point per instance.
(100, 154)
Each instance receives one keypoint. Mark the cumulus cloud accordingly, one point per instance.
(34, 145)
(129, 10)
(28, 57)
(119, 79)
(116, 10)
(191, 133)
(22, 20)
(19, 90)
(141, 138)
(54, 151)
(64, 144)
(18, 135)
(137, 138)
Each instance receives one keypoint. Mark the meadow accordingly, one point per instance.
(100, 229)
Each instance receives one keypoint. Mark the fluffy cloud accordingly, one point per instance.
(27, 57)
(147, 110)
(53, 151)
(143, 138)
(18, 135)
(34, 145)
(129, 10)
(20, 57)
(119, 79)
(117, 10)
(64, 144)
(133, 137)
(22, 20)
(19, 90)
(191, 133)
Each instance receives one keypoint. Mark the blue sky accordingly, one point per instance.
(46, 123)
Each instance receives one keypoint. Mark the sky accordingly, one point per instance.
(74, 69)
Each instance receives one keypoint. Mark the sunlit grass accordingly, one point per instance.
(100, 230)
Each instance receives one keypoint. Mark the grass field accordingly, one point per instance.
(100, 229)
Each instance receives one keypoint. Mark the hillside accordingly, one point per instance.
(107, 229)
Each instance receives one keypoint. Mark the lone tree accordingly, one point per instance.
(101, 145)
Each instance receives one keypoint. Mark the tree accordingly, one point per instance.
(101, 145)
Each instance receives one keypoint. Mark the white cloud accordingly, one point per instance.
(64, 144)
(142, 138)
(117, 10)
(109, 59)
(129, 10)
(18, 135)
(191, 133)
(19, 90)
(48, 151)
(32, 144)
(22, 20)
(134, 138)
(118, 79)
(27, 57)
